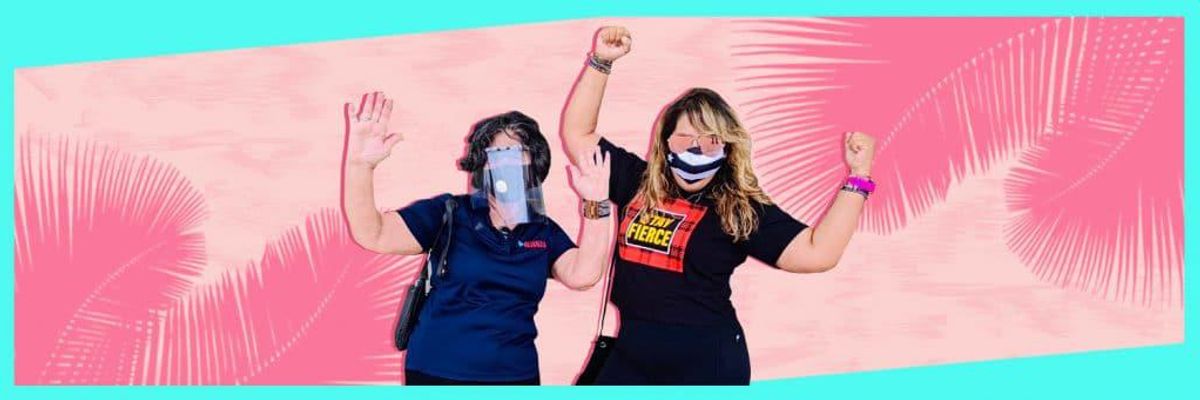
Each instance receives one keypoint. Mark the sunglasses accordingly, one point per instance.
(708, 143)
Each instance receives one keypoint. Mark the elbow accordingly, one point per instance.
(825, 266)
(576, 137)
(366, 244)
(580, 285)
(812, 267)
(366, 241)
(570, 130)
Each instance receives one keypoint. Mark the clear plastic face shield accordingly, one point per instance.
(511, 186)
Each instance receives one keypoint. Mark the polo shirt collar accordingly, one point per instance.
(479, 204)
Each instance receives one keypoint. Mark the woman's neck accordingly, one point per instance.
(498, 220)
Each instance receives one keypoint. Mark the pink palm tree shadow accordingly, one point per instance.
(950, 101)
(104, 240)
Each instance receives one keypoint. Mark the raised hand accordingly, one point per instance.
(368, 141)
(591, 176)
(612, 42)
(860, 153)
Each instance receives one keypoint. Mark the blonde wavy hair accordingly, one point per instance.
(733, 188)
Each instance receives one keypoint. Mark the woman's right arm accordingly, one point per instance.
(367, 144)
(583, 104)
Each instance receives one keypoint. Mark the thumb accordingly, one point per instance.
(391, 140)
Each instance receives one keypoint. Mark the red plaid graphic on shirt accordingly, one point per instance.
(658, 239)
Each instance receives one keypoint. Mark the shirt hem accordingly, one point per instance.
(459, 377)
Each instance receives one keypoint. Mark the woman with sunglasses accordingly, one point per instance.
(688, 215)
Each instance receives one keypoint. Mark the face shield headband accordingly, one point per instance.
(512, 188)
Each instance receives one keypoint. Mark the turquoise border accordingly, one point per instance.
(48, 33)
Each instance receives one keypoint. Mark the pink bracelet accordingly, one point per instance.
(861, 183)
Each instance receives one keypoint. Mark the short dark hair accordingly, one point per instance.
(513, 123)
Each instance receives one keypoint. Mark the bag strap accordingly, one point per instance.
(608, 282)
(449, 218)
(430, 271)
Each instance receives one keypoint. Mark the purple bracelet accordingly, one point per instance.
(861, 183)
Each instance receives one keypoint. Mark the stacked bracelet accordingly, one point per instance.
(603, 66)
(859, 184)
(596, 209)
(852, 189)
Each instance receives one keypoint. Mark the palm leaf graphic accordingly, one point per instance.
(1099, 202)
(944, 96)
(103, 239)
(316, 309)
(1072, 100)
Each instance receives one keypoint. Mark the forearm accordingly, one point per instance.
(595, 239)
(832, 234)
(583, 108)
(358, 202)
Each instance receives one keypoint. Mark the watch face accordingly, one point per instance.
(595, 209)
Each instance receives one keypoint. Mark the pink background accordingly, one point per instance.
(1030, 201)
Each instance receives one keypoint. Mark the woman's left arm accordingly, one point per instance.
(819, 248)
(581, 268)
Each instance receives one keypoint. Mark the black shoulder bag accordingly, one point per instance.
(434, 264)
(603, 345)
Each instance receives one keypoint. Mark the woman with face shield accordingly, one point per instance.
(476, 324)
(688, 215)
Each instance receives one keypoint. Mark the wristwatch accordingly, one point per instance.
(596, 209)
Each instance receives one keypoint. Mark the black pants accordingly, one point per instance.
(414, 378)
(651, 353)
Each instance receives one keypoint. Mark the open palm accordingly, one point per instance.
(368, 140)
(591, 175)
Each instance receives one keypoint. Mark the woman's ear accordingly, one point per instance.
(476, 179)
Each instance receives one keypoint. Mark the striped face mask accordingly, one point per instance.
(693, 166)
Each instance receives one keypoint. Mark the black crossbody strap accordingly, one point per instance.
(450, 204)
(608, 282)
(431, 269)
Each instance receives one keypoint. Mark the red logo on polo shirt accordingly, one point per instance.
(532, 244)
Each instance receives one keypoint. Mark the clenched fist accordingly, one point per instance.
(860, 153)
(612, 42)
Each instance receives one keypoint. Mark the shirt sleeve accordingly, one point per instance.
(626, 174)
(558, 242)
(424, 218)
(775, 232)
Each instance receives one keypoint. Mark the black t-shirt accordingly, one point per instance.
(675, 267)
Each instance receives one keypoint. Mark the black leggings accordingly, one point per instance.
(651, 353)
(414, 378)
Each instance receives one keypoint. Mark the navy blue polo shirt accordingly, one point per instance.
(477, 323)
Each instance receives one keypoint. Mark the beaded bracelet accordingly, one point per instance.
(865, 194)
(861, 182)
(861, 185)
(596, 209)
(603, 66)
